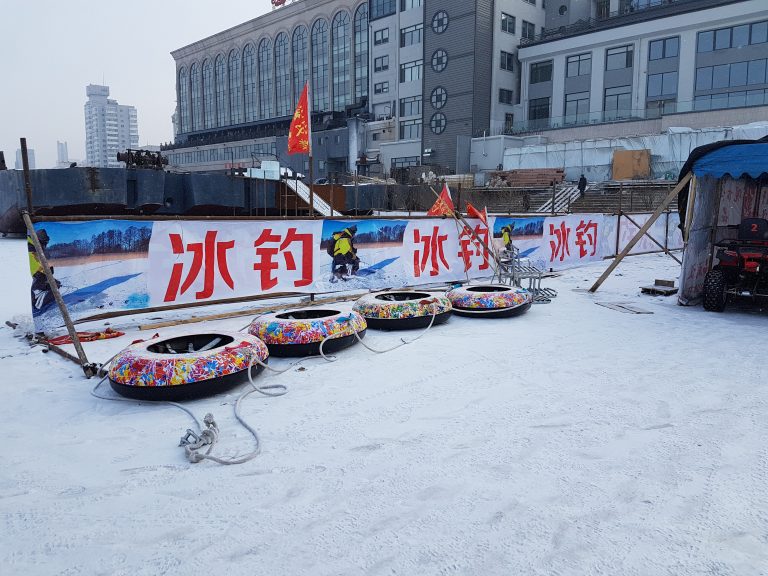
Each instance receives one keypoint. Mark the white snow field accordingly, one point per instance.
(573, 440)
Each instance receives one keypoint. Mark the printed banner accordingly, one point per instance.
(115, 265)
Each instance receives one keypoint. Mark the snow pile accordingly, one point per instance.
(574, 439)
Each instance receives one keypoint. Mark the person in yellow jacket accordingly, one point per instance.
(41, 290)
(506, 236)
(345, 258)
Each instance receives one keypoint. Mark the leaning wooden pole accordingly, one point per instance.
(27, 181)
(652, 239)
(640, 233)
(87, 367)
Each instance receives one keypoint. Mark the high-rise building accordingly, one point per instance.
(62, 155)
(109, 128)
(30, 158)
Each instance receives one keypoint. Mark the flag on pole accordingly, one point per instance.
(473, 212)
(443, 206)
(299, 135)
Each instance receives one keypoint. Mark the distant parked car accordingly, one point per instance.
(321, 181)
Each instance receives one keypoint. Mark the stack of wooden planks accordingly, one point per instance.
(527, 178)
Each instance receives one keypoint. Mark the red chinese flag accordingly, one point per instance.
(443, 206)
(298, 135)
(473, 212)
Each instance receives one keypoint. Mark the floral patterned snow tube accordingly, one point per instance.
(394, 310)
(184, 367)
(300, 332)
(490, 300)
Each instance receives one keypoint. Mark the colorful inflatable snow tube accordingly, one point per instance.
(403, 310)
(185, 367)
(300, 332)
(490, 300)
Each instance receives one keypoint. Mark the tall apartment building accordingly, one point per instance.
(109, 128)
(30, 158)
(394, 83)
(604, 62)
(62, 155)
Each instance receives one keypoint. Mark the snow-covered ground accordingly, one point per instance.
(572, 440)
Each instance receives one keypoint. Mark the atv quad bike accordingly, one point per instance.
(742, 268)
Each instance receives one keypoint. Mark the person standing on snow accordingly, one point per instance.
(344, 253)
(41, 290)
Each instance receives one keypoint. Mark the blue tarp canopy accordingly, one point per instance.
(736, 160)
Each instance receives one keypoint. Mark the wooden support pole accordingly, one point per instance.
(666, 251)
(27, 181)
(87, 367)
(636, 238)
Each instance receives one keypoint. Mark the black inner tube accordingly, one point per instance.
(307, 314)
(401, 296)
(488, 289)
(190, 343)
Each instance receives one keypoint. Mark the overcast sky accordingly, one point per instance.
(52, 49)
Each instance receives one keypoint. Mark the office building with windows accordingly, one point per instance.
(109, 128)
(393, 83)
(648, 64)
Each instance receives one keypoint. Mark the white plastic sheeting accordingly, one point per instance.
(594, 158)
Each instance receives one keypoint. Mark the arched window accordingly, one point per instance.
(265, 79)
(235, 89)
(194, 86)
(249, 82)
(220, 72)
(183, 102)
(342, 61)
(282, 75)
(300, 64)
(320, 66)
(209, 95)
(361, 52)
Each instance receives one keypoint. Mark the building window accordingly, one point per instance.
(507, 61)
(619, 58)
(342, 61)
(405, 162)
(576, 108)
(381, 36)
(530, 2)
(410, 106)
(666, 48)
(249, 83)
(731, 75)
(663, 84)
(541, 72)
(197, 112)
(656, 108)
(528, 31)
(220, 72)
(183, 101)
(361, 52)
(509, 122)
(437, 123)
(618, 103)
(438, 98)
(265, 79)
(411, 71)
(440, 22)
(381, 88)
(411, 35)
(538, 111)
(506, 96)
(439, 60)
(410, 129)
(209, 94)
(282, 75)
(758, 33)
(408, 4)
(579, 65)
(320, 56)
(235, 91)
(381, 64)
(381, 8)
(507, 23)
